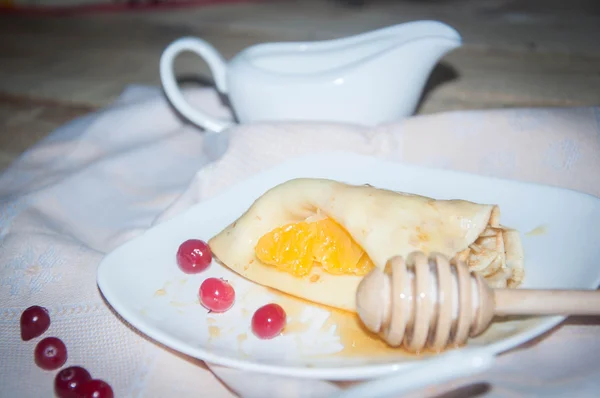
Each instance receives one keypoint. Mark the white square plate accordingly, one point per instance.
(142, 282)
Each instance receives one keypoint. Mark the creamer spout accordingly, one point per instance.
(428, 29)
(429, 40)
(426, 42)
(429, 50)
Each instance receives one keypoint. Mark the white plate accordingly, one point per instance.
(142, 282)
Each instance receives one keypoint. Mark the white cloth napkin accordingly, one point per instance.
(105, 178)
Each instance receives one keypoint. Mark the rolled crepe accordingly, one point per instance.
(384, 223)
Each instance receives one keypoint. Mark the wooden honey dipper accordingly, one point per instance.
(431, 302)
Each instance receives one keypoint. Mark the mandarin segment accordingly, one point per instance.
(296, 247)
(289, 248)
(335, 249)
(364, 266)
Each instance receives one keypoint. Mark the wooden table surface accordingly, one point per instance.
(516, 53)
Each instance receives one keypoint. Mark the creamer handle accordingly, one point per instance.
(218, 68)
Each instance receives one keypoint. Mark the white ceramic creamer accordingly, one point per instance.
(365, 79)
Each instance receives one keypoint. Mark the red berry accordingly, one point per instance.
(268, 321)
(50, 353)
(68, 380)
(95, 389)
(193, 256)
(216, 294)
(34, 322)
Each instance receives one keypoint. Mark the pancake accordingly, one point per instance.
(316, 238)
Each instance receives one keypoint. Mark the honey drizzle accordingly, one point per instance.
(354, 337)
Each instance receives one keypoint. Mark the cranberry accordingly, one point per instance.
(95, 389)
(68, 380)
(268, 321)
(216, 294)
(34, 322)
(193, 256)
(50, 353)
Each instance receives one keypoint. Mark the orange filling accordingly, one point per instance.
(297, 247)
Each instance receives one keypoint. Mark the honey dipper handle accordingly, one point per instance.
(546, 302)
